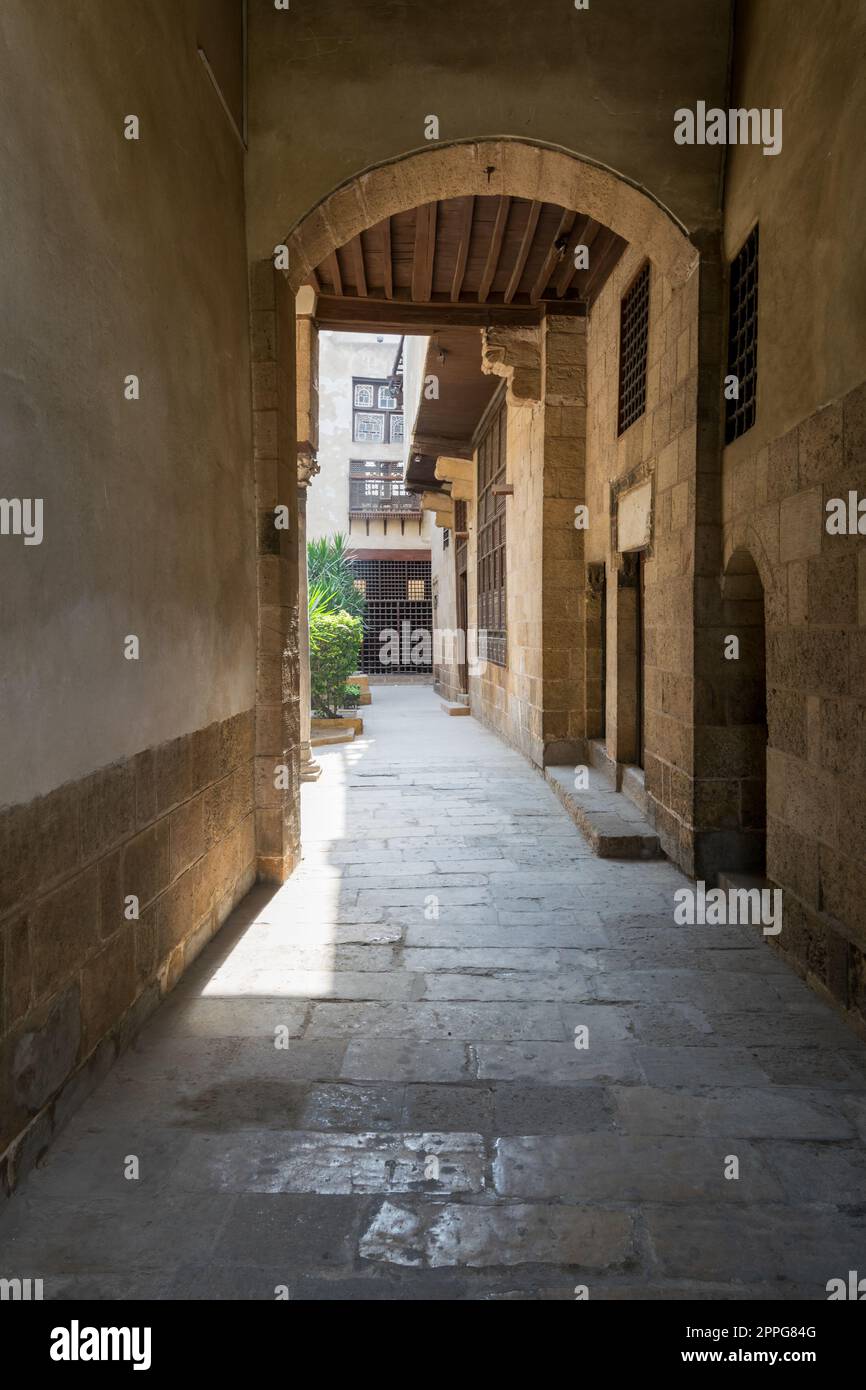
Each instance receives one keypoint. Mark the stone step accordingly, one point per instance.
(610, 822)
(453, 708)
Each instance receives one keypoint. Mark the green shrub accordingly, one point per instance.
(335, 646)
(332, 577)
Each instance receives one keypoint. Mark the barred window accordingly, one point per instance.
(363, 395)
(633, 345)
(396, 429)
(743, 340)
(492, 598)
(387, 398)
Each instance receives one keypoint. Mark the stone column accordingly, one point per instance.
(278, 820)
(307, 469)
(307, 402)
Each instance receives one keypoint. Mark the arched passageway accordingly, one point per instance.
(456, 1048)
(483, 238)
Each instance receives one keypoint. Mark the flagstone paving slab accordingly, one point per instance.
(458, 1057)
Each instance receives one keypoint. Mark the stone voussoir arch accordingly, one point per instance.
(742, 538)
(506, 165)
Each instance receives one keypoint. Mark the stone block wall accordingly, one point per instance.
(563, 570)
(537, 700)
(275, 456)
(508, 698)
(814, 592)
(172, 827)
(661, 446)
(446, 675)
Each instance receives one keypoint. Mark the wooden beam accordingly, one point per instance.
(331, 268)
(314, 282)
(425, 246)
(566, 222)
(523, 253)
(463, 247)
(387, 262)
(601, 267)
(356, 256)
(583, 234)
(438, 444)
(399, 316)
(495, 249)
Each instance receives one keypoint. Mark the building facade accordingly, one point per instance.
(359, 492)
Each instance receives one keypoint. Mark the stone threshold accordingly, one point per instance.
(606, 818)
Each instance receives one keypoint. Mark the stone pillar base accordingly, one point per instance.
(311, 771)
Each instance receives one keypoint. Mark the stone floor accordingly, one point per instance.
(430, 1129)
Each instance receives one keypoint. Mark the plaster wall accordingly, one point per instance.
(603, 82)
(122, 257)
(810, 202)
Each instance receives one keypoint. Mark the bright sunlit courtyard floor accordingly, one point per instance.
(368, 1085)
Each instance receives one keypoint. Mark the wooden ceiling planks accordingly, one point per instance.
(424, 253)
(523, 250)
(500, 252)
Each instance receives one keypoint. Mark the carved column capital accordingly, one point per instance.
(308, 465)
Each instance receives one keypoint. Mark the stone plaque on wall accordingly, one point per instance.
(634, 518)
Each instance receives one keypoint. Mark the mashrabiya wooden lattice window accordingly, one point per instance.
(492, 596)
(743, 339)
(633, 344)
(376, 488)
(377, 415)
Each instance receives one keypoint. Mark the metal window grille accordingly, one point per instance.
(446, 538)
(743, 339)
(398, 602)
(492, 588)
(633, 345)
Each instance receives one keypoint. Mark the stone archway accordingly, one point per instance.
(509, 165)
(506, 165)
